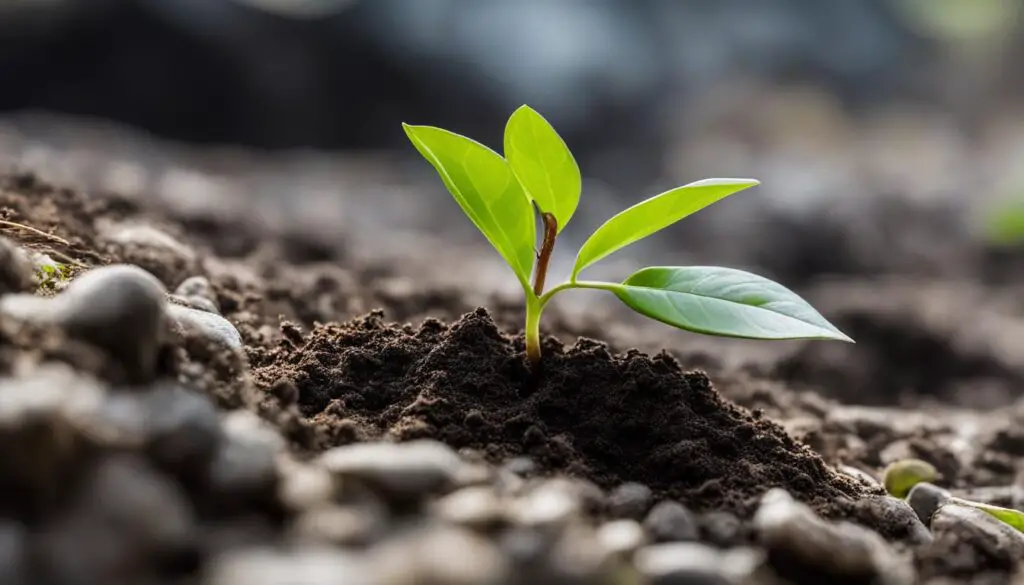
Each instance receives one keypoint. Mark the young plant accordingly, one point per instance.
(500, 194)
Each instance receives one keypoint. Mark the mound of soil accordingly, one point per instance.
(608, 418)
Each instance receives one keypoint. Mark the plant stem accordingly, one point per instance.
(546, 248)
(534, 306)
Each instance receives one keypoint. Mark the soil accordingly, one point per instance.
(339, 349)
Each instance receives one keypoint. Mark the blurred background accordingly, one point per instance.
(885, 132)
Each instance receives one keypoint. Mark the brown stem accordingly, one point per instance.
(550, 233)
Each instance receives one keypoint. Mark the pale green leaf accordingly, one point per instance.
(483, 185)
(724, 302)
(654, 214)
(1009, 516)
(543, 164)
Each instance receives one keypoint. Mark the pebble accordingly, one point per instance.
(477, 507)
(984, 531)
(721, 528)
(15, 268)
(119, 308)
(790, 530)
(309, 565)
(435, 554)
(187, 320)
(14, 554)
(670, 521)
(340, 525)
(146, 237)
(890, 511)
(125, 523)
(303, 485)
(693, 563)
(621, 537)
(184, 430)
(243, 475)
(403, 472)
(925, 499)
(196, 286)
(45, 422)
(553, 503)
(630, 500)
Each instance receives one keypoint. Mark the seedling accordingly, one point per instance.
(502, 196)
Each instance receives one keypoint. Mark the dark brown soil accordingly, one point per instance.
(608, 418)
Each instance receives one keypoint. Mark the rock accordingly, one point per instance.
(721, 528)
(522, 466)
(670, 521)
(552, 503)
(304, 486)
(692, 563)
(404, 472)
(197, 303)
(15, 268)
(184, 430)
(340, 525)
(437, 555)
(242, 476)
(572, 554)
(119, 308)
(47, 420)
(124, 523)
(145, 236)
(196, 286)
(621, 537)
(983, 532)
(630, 500)
(925, 498)
(13, 554)
(900, 519)
(310, 565)
(797, 540)
(210, 325)
(477, 507)
(245, 425)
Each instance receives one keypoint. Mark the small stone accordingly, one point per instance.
(797, 540)
(340, 525)
(13, 554)
(551, 503)
(126, 520)
(404, 472)
(15, 268)
(304, 486)
(892, 512)
(245, 425)
(196, 286)
(197, 303)
(187, 320)
(925, 498)
(47, 420)
(670, 521)
(310, 565)
(621, 537)
(437, 555)
(119, 308)
(146, 236)
(522, 466)
(984, 532)
(477, 507)
(184, 430)
(630, 500)
(692, 563)
(243, 475)
(721, 528)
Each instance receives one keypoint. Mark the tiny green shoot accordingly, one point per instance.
(503, 195)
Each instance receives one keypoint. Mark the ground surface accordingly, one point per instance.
(340, 350)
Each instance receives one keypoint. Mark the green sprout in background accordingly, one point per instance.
(499, 195)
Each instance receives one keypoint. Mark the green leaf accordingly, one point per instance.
(1009, 516)
(483, 185)
(725, 302)
(543, 164)
(654, 214)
